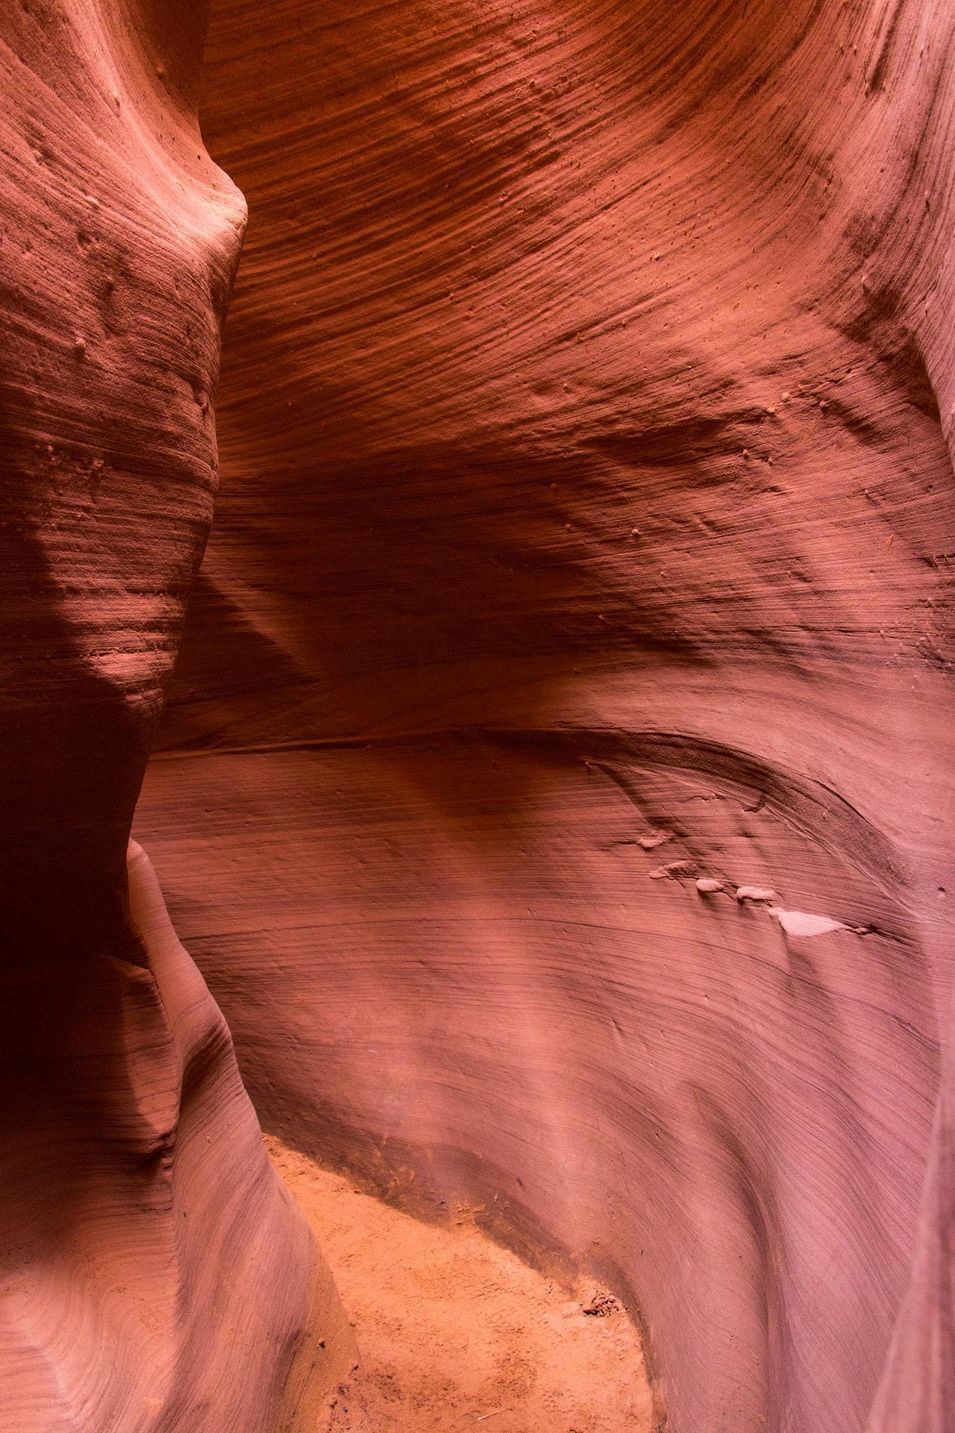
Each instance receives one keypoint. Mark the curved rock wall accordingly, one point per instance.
(154, 1273)
(558, 786)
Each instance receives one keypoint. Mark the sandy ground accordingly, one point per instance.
(456, 1333)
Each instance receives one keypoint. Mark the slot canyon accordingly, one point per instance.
(477, 772)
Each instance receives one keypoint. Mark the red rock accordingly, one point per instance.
(155, 1273)
(518, 285)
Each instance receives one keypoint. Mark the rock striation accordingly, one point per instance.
(557, 786)
(155, 1273)
(557, 791)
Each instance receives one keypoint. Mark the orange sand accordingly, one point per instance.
(457, 1333)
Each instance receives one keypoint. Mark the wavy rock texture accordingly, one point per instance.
(558, 786)
(155, 1275)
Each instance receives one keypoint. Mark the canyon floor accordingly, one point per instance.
(457, 1333)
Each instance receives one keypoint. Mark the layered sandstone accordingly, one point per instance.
(558, 787)
(155, 1273)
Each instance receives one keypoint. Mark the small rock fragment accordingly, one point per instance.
(600, 1305)
(675, 871)
(759, 895)
(803, 923)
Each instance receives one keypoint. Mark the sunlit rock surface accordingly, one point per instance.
(557, 790)
(556, 787)
(155, 1275)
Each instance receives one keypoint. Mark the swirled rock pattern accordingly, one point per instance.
(155, 1275)
(558, 787)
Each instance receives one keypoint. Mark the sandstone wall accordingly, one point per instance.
(587, 532)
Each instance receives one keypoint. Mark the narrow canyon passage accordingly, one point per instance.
(540, 773)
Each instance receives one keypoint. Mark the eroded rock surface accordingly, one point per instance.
(155, 1275)
(588, 518)
(557, 792)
